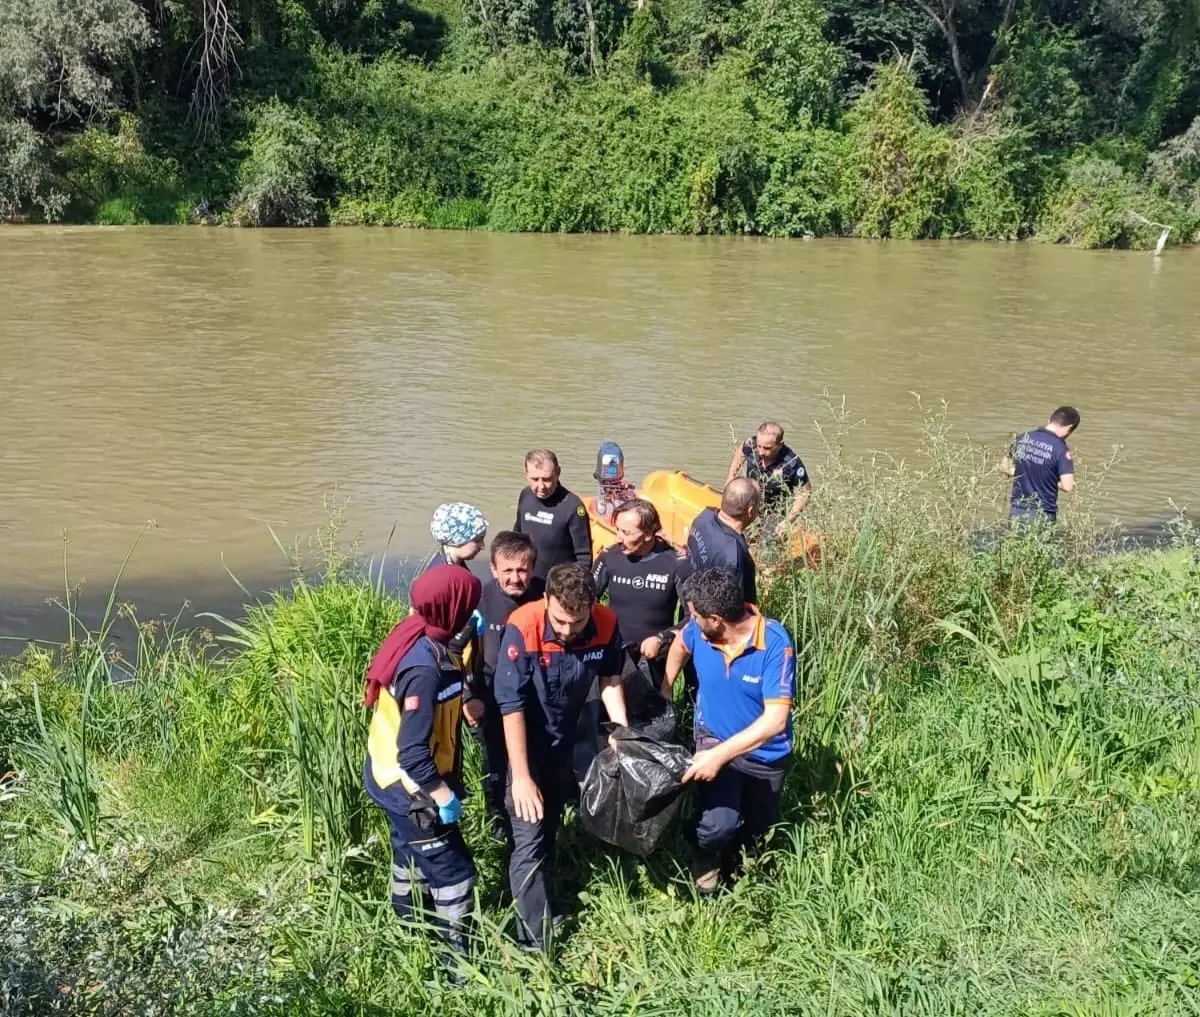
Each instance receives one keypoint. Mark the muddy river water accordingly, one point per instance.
(226, 383)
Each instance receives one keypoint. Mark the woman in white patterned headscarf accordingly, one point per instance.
(459, 530)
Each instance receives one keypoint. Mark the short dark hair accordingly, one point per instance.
(571, 584)
(647, 514)
(1065, 416)
(542, 457)
(715, 591)
(509, 544)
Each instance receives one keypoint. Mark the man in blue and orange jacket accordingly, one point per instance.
(550, 655)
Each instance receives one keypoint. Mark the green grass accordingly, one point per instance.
(994, 807)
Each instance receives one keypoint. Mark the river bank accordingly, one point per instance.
(992, 806)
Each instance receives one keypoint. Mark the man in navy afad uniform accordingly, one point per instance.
(1040, 464)
(553, 516)
(782, 475)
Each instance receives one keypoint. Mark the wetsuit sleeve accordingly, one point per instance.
(779, 672)
(512, 676)
(416, 695)
(600, 576)
(517, 524)
(679, 574)
(581, 535)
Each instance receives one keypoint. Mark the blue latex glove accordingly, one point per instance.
(451, 812)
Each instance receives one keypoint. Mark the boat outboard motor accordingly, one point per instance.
(610, 475)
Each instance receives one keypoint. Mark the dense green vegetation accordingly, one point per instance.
(994, 808)
(1070, 120)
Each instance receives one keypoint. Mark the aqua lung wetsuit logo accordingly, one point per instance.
(651, 581)
(541, 518)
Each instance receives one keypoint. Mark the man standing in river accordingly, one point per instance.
(1040, 464)
(553, 516)
(776, 469)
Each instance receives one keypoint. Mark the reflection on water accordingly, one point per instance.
(223, 382)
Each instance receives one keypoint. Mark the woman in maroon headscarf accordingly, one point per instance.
(414, 761)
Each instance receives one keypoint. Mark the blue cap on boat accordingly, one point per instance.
(610, 463)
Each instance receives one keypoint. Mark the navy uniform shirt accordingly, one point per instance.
(1039, 457)
(779, 480)
(643, 590)
(413, 738)
(712, 544)
(558, 526)
(550, 681)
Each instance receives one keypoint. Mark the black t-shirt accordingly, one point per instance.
(779, 480)
(712, 544)
(1040, 458)
(559, 528)
(642, 590)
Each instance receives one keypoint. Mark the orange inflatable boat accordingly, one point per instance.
(679, 499)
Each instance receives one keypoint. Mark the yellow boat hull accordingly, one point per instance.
(679, 499)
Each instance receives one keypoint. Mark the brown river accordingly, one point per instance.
(225, 383)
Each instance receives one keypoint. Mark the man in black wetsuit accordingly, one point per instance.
(513, 584)
(553, 516)
(641, 574)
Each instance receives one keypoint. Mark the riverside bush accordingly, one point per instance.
(774, 117)
(991, 807)
(277, 180)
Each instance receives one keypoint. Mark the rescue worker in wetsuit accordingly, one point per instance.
(642, 574)
(553, 516)
(414, 761)
(782, 475)
(459, 530)
(717, 538)
(551, 653)
(512, 584)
